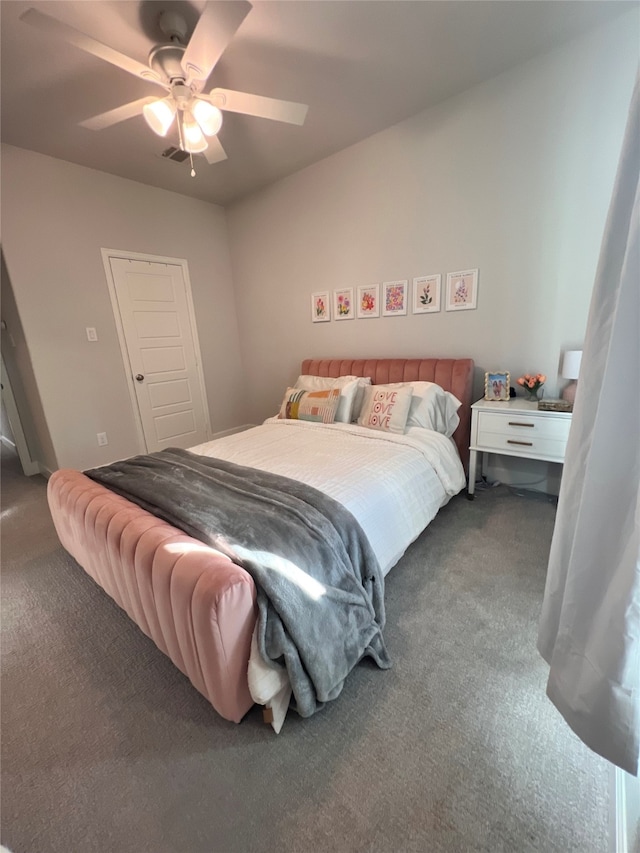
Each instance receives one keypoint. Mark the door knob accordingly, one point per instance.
(139, 377)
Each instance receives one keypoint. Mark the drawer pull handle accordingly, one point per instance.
(519, 423)
(525, 443)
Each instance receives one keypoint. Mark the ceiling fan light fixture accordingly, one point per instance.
(208, 117)
(160, 115)
(194, 141)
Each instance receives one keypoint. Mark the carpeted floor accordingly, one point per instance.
(106, 747)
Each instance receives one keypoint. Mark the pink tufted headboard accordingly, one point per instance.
(452, 374)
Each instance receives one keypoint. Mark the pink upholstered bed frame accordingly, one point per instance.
(196, 605)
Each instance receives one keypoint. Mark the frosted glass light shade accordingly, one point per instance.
(571, 364)
(208, 117)
(194, 141)
(160, 115)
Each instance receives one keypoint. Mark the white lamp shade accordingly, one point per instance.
(571, 364)
(194, 141)
(208, 117)
(160, 115)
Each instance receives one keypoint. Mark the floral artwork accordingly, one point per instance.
(343, 304)
(462, 290)
(426, 294)
(369, 300)
(394, 298)
(320, 311)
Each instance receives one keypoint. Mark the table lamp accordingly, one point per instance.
(571, 370)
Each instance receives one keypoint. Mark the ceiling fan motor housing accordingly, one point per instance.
(173, 25)
(165, 60)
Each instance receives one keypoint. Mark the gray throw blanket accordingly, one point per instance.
(320, 587)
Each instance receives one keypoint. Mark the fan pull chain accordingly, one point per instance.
(193, 171)
(180, 133)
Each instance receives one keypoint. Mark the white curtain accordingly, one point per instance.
(589, 630)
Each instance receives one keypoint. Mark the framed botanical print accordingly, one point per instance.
(394, 298)
(368, 300)
(462, 290)
(426, 294)
(497, 385)
(320, 307)
(343, 308)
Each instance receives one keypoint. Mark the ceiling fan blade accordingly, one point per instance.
(52, 26)
(256, 105)
(214, 152)
(134, 108)
(215, 29)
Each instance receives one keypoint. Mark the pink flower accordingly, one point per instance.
(532, 382)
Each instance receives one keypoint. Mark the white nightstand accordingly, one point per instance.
(516, 428)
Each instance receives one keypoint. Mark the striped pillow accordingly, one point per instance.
(319, 406)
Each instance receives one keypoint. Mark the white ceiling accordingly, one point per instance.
(360, 65)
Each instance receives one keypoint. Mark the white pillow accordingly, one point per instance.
(386, 407)
(351, 391)
(433, 408)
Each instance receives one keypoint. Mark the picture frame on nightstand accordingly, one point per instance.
(496, 385)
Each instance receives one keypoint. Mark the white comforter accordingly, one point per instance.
(393, 484)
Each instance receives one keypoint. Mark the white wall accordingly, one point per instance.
(56, 218)
(512, 177)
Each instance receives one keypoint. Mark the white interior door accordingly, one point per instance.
(161, 348)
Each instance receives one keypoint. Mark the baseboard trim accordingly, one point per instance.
(620, 840)
(625, 812)
(8, 442)
(231, 431)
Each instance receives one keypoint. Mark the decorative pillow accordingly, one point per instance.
(319, 406)
(386, 407)
(433, 408)
(351, 391)
(363, 382)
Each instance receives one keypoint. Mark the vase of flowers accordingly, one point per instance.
(532, 385)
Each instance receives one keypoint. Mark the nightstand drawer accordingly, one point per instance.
(523, 445)
(516, 426)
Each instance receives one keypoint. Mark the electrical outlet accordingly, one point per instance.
(92, 335)
(102, 439)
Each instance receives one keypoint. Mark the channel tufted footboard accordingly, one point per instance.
(192, 601)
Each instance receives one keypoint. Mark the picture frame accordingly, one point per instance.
(462, 290)
(426, 294)
(394, 298)
(368, 304)
(343, 306)
(320, 307)
(496, 385)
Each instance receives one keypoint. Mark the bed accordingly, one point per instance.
(191, 598)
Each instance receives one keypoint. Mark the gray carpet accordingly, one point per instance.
(107, 747)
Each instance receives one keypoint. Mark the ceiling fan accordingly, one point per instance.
(182, 70)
